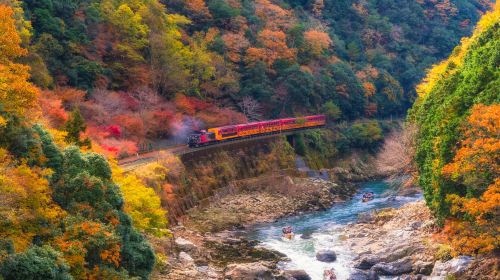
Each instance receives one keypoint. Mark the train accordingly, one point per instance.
(241, 131)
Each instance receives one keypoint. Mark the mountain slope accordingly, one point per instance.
(458, 140)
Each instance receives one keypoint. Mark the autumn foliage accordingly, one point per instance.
(273, 47)
(458, 139)
(477, 165)
(17, 95)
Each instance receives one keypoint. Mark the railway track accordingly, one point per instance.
(133, 162)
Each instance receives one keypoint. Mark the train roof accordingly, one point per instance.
(262, 122)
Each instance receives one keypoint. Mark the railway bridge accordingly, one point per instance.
(183, 150)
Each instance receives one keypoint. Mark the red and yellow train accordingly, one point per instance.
(241, 131)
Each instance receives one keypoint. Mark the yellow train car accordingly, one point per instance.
(224, 132)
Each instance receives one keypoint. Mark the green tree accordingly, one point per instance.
(256, 83)
(74, 127)
(36, 263)
(331, 110)
(469, 76)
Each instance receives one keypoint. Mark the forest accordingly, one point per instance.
(84, 83)
(139, 71)
(458, 103)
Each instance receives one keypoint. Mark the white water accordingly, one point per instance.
(325, 229)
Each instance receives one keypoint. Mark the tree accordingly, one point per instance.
(477, 161)
(36, 263)
(17, 95)
(317, 41)
(273, 47)
(26, 206)
(446, 98)
(74, 127)
(331, 110)
(222, 11)
(476, 165)
(250, 108)
(142, 204)
(256, 83)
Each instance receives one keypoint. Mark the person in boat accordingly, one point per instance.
(287, 232)
(329, 274)
(368, 196)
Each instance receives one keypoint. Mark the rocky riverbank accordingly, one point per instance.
(399, 243)
(267, 199)
(209, 243)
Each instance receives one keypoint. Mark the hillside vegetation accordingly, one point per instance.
(85, 81)
(62, 213)
(458, 139)
(141, 70)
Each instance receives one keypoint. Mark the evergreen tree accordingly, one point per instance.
(74, 127)
(36, 263)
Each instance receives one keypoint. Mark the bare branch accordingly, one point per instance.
(251, 108)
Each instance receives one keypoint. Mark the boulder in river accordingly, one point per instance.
(423, 267)
(367, 261)
(326, 256)
(359, 274)
(296, 275)
(244, 271)
(393, 268)
(306, 235)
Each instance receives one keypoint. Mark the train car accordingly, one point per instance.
(224, 132)
(232, 132)
(318, 120)
(249, 129)
(271, 126)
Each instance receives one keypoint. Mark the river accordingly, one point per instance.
(325, 230)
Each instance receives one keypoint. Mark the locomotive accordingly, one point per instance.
(242, 131)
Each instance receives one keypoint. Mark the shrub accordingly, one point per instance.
(36, 263)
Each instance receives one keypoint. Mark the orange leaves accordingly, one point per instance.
(52, 109)
(198, 7)
(273, 47)
(10, 41)
(88, 237)
(476, 164)
(235, 43)
(274, 16)
(479, 152)
(111, 255)
(25, 202)
(190, 105)
(317, 41)
(369, 89)
(479, 232)
(465, 240)
(17, 95)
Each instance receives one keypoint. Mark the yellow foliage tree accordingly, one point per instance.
(443, 68)
(26, 206)
(17, 95)
(141, 203)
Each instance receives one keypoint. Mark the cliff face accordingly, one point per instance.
(194, 179)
